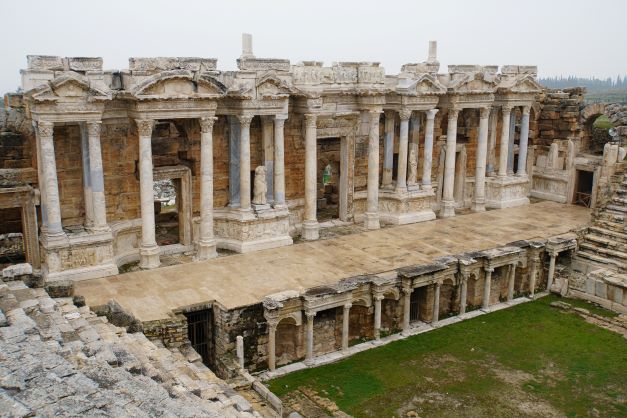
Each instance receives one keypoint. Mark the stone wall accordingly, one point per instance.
(559, 115)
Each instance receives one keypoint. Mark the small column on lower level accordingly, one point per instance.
(310, 336)
(310, 223)
(345, 326)
(487, 284)
(403, 144)
(478, 203)
(272, 345)
(406, 308)
(533, 272)
(524, 142)
(388, 149)
(206, 241)
(436, 303)
(244, 162)
(51, 204)
(448, 200)
(506, 113)
(512, 280)
(279, 162)
(149, 250)
(464, 293)
(551, 275)
(428, 151)
(371, 217)
(377, 315)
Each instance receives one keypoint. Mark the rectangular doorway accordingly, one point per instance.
(200, 334)
(583, 188)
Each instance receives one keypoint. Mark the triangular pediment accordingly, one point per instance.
(69, 86)
(425, 85)
(475, 83)
(526, 84)
(269, 85)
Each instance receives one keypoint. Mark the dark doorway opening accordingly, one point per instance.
(583, 191)
(167, 207)
(414, 306)
(200, 334)
(11, 238)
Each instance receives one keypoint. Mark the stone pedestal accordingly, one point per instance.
(507, 192)
(398, 208)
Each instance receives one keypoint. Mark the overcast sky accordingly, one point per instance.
(580, 37)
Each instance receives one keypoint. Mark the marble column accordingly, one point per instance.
(272, 345)
(310, 323)
(478, 203)
(448, 200)
(52, 204)
(464, 294)
(406, 308)
(553, 257)
(492, 142)
(436, 303)
(524, 142)
(510, 148)
(371, 218)
(388, 151)
(427, 162)
(234, 166)
(206, 241)
(279, 162)
(506, 111)
(533, 272)
(148, 251)
(345, 326)
(377, 316)
(401, 177)
(414, 150)
(487, 283)
(89, 200)
(244, 161)
(96, 178)
(310, 223)
(267, 140)
(512, 280)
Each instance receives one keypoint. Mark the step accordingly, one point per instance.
(617, 227)
(601, 260)
(612, 216)
(619, 200)
(606, 252)
(616, 208)
(607, 242)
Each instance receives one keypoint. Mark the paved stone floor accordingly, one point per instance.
(245, 279)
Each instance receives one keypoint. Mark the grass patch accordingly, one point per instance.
(530, 359)
(602, 122)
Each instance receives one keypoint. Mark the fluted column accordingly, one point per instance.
(47, 159)
(464, 294)
(244, 161)
(524, 142)
(551, 275)
(388, 151)
(345, 325)
(89, 200)
(401, 177)
(510, 148)
(96, 177)
(406, 308)
(506, 112)
(149, 251)
(414, 150)
(206, 241)
(436, 303)
(272, 345)
(478, 204)
(279, 162)
(310, 322)
(512, 281)
(371, 220)
(428, 152)
(377, 316)
(492, 142)
(487, 284)
(310, 224)
(448, 200)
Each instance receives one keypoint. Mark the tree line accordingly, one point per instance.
(590, 83)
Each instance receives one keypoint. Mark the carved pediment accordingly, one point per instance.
(524, 84)
(475, 83)
(425, 85)
(179, 84)
(270, 86)
(69, 86)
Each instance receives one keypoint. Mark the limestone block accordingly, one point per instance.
(601, 289)
(17, 270)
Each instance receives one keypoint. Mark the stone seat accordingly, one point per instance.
(606, 241)
(602, 261)
(607, 252)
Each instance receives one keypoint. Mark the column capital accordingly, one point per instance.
(389, 114)
(526, 110)
(431, 113)
(484, 112)
(553, 253)
(93, 127)
(405, 114)
(45, 128)
(437, 284)
(489, 269)
(206, 123)
(378, 296)
(506, 109)
(280, 117)
(453, 112)
(311, 120)
(310, 314)
(245, 120)
(347, 306)
(273, 323)
(407, 290)
(144, 126)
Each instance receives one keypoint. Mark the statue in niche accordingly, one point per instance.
(260, 188)
(413, 166)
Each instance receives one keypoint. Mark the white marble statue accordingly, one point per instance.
(413, 167)
(261, 188)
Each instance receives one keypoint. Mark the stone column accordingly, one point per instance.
(486, 287)
(401, 177)
(512, 280)
(377, 316)
(448, 200)
(52, 205)
(524, 142)
(428, 157)
(549, 284)
(371, 220)
(310, 323)
(504, 141)
(268, 155)
(533, 271)
(149, 251)
(279, 162)
(310, 224)
(388, 152)
(510, 148)
(436, 303)
(272, 345)
(89, 200)
(345, 326)
(96, 177)
(244, 161)
(406, 308)
(478, 204)
(492, 142)
(414, 149)
(206, 241)
(464, 294)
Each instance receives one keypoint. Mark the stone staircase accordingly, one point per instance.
(57, 359)
(605, 243)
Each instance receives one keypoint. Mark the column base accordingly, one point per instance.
(371, 220)
(478, 206)
(149, 257)
(448, 209)
(311, 230)
(206, 250)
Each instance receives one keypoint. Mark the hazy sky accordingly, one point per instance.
(580, 37)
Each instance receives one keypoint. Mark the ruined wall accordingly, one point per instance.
(559, 116)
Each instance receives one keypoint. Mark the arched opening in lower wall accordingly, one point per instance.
(290, 342)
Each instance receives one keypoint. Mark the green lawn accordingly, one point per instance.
(602, 122)
(529, 360)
